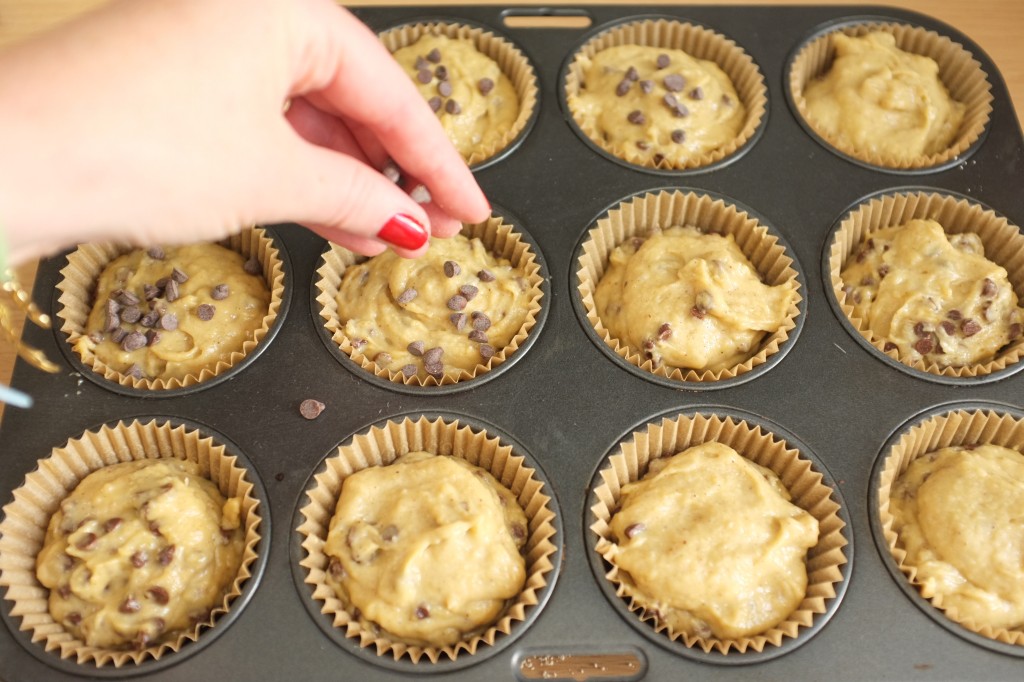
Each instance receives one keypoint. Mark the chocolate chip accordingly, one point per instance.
(988, 287)
(948, 327)
(130, 605)
(409, 371)
(162, 282)
(159, 594)
(422, 612)
(697, 93)
(96, 337)
(478, 336)
(920, 330)
(444, 88)
(252, 266)
(117, 336)
(890, 346)
(642, 145)
(486, 351)
(469, 291)
(111, 525)
(416, 348)
(435, 103)
(486, 276)
(434, 56)
(74, 618)
(459, 320)
(441, 72)
(219, 292)
(424, 76)
(485, 85)
(680, 110)
(634, 529)
(166, 555)
(678, 136)
(383, 359)
(407, 296)
(422, 63)
(390, 533)
(636, 117)
(883, 271)
(141, 640)
(156, 253)
(435, 369)
(171, 292)
(623, 87)
(112, 323)
(480, 321)
(154, 527)
(150, 319)
(457, 302)
(433, 356)
(664, 331)
(133, 341)
(87, 542)
(178, 276)
(149, 292)
(311, 409)
(674, 82)
(336, 570)
(205, 311)
(632, 74)
(134, 371)
(64, 591)
(358, 343)
(658, 158)
(925, 345)
(969, 327)
(954, 314)
(169, 321)
(139, 559)
(726, 100)
(646, 86)
(451, 268)
(1015, 330)
(698, 312)
(452, 107)
(125, 297)
(518, 532)
(131, 314)
(663, 61)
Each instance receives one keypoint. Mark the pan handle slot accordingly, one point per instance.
(546, 18)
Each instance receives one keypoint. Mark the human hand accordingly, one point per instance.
(160, 121)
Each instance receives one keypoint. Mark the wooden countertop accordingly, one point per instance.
(993, 24)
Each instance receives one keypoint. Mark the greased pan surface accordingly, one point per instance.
(567, 404)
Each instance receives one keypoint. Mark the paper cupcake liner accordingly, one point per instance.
(956, 427)
(23, 530)
(1003, 242)
(512, 62)
(640, 215)
(806, 486)
(959, 71)
(500, 239)
(380, 446)
(698, 42)
(77, 286)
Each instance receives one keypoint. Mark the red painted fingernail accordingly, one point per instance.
(403, 231)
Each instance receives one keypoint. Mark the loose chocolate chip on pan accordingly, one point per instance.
(478, 336)
(969, 327)
(310, 408)
(453, 107)
(674, 82)
(444, 88)
(435, 103)
(459, 320)
(133, 341)
(219, 292)
(678, 136)
(131, 314)
(422, 612)
(252, 266)
(663, 61)
(407, 296)
(697, 93)
(634, 529)
(178, 276)
(441, 72)
(925, 345)
(469, 291)
(433, 355)
(168, 321)
(486, 276)
(130, 605)
(156, 253)
(485, 85)
(205, 311)
(647, 86)
(434, 56)
(416, 348)
(158, 594)
(451, 268)
(383, 359)
(480, 321)
(171, 291)
(409, 371)
(623, 87)
(636, 117)
(988, 287)
(424, 76)
(457, 302)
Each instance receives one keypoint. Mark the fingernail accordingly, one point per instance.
(403, 231)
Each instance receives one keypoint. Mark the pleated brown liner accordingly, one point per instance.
(1003, 242)
(498, 237)
(77, 286)
(23, 530)
(959, 71)
(807, 488)
(956, 427)
(640, 215)
(382, 445)
(696, 41)
(512, 62)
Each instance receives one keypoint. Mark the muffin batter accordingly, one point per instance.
(877, 99)
(139, 552)
(428, 548)
(710, 543)
(474, 100)
(657, 106)
(171, 312)
(957, 514)
(450, 310)
(932, 297)
(688, 299)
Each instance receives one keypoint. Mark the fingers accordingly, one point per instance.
(324, 130)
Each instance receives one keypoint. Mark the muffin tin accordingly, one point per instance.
(566, 405)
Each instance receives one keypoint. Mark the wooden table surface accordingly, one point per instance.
(996, 25)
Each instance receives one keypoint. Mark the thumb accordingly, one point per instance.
(349, 202)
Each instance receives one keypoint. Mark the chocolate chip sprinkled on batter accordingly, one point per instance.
(169, 321)
(518, 531)
(335, 568)
(407, 296)
(632, 74)
(670, 101)
(459, 320)
(424, 76)
(117, 336)
(469, 291)
(485, 85)
(383, 359)
(658, 158)
(125, 297)
(883, 271)
(726, 100)
(205, 311)
(1015, 330)
(357, 344)
(390, 533)
(96, 337)
(149, 292)
(158, 594)
(697, 93)
(954, 314)
(219, 292)
(64, 591)
(678, 136)
(478, 336)
(920, 330)
(178, 276)
(486, 276)
(646, 86)
(890, 346)
(925, 345)
(441, 72)
(422, 612)
(416, 348)
(156, 253)
(162, 282)
(636, 117)
(141, 640)
(150, 319)
(434, 56)
(252, 266)
(433, 355)
(634, 529)
(674, 82)
(988, 287)
(480, 321)
(422, 63)
(87, 542)
(171, 291)
(434, 369)
(130, 605)
(131, 314)
(110, 525)
(139, 559)
(409, 370)
(311, 409)
(698, 312)
(969, 327)
(623, 87)
(486, 351)
(154, 527)
(74, 618)
(451, 268)
(664, 331)
(435, 103)
(457, 302)
(948, 327)
(113, 321)
(453, 107)
(663, 61)
(134, 341)
(134, 371)
(444, 88)
(166, 555)
(642, 145)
